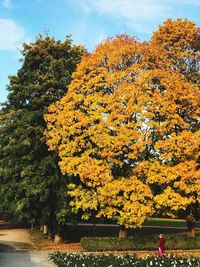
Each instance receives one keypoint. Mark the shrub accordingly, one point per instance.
(138, 243)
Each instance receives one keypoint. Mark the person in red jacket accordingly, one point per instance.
(161, 245)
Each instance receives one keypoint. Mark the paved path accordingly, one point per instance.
(24, 259)
(16, 249)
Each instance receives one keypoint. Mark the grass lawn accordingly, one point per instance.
(168, 222)
(104, 237)
(151, 227)
(73, 233)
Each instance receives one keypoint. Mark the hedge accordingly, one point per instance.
(138, 243)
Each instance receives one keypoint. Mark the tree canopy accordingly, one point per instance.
(32, 187)
(121, 125)
(180, 42)
(128, 128)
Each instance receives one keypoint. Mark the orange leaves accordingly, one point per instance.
(176, 36)
(127, 199)
(171, 202)
(179, 42)
(93, 172)
(189, 177)
(128, 127)
(168, 100)
(180, 146)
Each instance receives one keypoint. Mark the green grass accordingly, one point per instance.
(73, 233)
(168, 222)
(153, 226)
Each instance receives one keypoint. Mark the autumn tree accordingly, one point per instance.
(179, 44)
(32, 187)
(179, 41)
(173, 174)
(128, 130)
(99, 136)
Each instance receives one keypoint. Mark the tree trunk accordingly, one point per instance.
(122, 232)
(190, 220)
(42, 228)
(58, 238)
(58, 234)
(191, 233)
(51, 226)
(45, 229)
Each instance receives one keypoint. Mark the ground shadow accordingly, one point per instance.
(75, 233)
(12, 225)
(14, 247)
(6, 248)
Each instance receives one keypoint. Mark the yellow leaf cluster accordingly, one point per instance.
(129, 124)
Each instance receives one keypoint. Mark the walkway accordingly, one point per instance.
(16, 249)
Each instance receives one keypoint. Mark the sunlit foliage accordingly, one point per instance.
(127, 129)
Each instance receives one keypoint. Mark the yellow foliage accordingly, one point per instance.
(125, 125)
(171, 201)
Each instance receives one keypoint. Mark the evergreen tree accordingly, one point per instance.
(32, 187)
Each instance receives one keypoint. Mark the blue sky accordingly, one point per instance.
(88, 21)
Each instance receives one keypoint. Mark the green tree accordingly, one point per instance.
(32, 187)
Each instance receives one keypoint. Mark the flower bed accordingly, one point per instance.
(83, 260)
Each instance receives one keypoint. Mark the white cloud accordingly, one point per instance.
(138, 15)
(128, 9)
(7, 3)
(12, 35)
(133, 13)
(186, 2)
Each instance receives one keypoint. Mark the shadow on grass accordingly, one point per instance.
(74, 233)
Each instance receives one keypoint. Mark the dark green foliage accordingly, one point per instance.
(138, 243)
(80, 260)
(32, 187)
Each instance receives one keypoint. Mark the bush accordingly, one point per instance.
(82, 260)
(138, 243)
